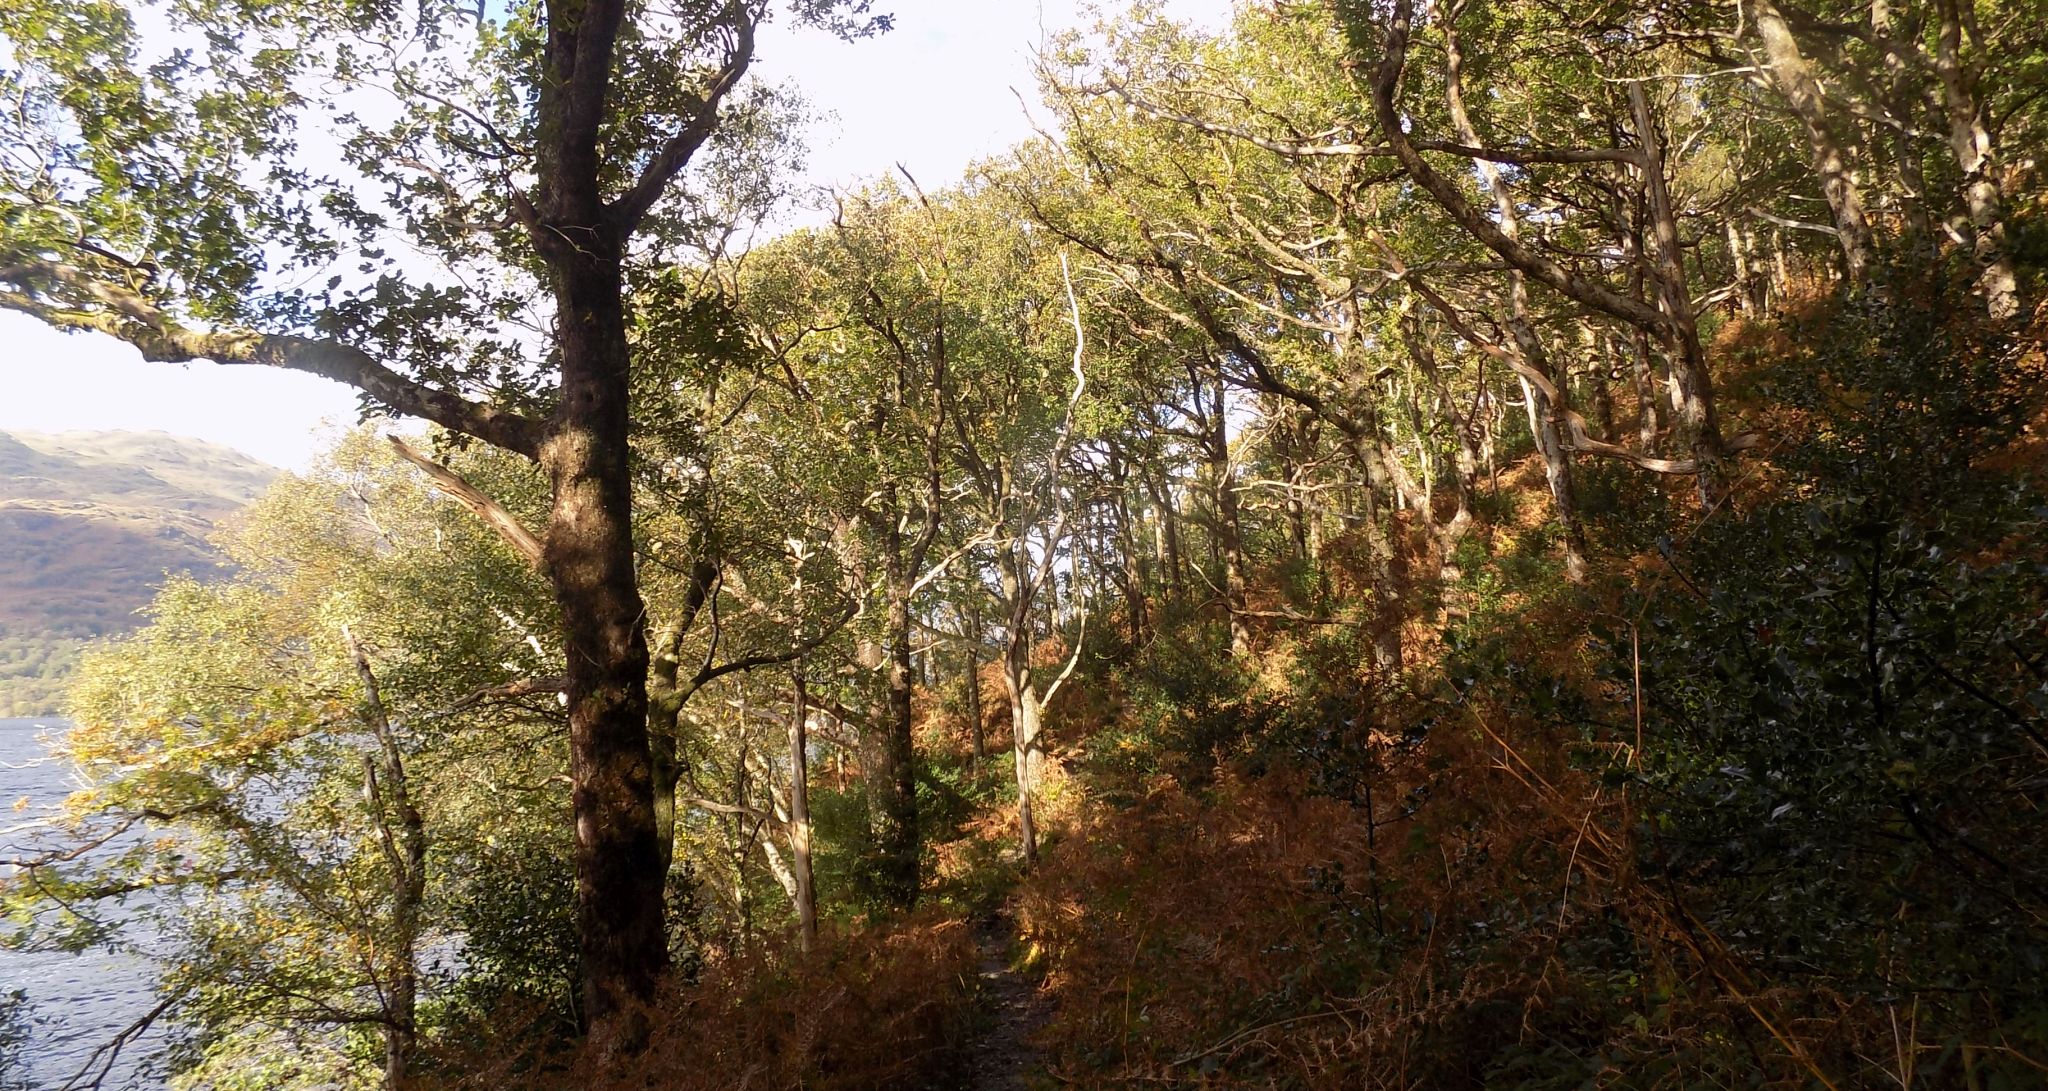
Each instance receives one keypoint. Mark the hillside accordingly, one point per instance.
(91, 522)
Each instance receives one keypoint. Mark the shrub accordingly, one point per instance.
(1844, 696)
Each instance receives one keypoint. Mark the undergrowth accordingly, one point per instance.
(886, 1006)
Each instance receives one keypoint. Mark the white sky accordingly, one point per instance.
(935, 94)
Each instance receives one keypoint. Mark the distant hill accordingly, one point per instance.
(89, 524)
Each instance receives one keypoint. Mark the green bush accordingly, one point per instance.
(1190, 707)
(1845, 695)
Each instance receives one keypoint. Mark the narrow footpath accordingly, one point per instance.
(1005, 1059)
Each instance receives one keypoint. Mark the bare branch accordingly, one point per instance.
(502, 522)
(523, 687)
(103, 1058)
(1074, 660)
(1796, 225)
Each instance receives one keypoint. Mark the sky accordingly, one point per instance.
(935, 94)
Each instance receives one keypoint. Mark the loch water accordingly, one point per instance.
(76, 1003)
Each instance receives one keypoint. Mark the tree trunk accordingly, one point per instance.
(1465, 456)
(1599, 360)
(1692, 388)
(1969, 138)
(805, 893)
(1029, 761)
(896, 836)
(1137, 609)
(388, 795)
(1080, 591)
(1527, 346)
(1388, 602)
(1025, 725)
(1901, 101)
(971, 682)
(1425, 452)
(1166, 538)
(1795, 81)
(1642, 361)
(742, 836)
(1746, 296)
(664, 719)
(588, 548)
(1229, 536)
(1015, 577)
(1052, 588)
(1643, 365)
(1913, 194)
(1557, 473)
(1291, 449)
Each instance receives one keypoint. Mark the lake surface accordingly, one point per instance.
(76, 1002)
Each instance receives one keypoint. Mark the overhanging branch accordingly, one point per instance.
(135, 319)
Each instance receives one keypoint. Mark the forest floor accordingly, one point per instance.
(1004, 1059)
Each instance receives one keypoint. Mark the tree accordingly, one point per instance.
(149, 198)
(305, 744)
(1016, 422)
(856, 335)
(1261, 260)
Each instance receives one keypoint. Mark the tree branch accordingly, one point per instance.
(1386, 82)
(1581, 438)
(1295, 149)
(506, 525)
(631, 207)
(128, 316)
(1796, 225)
(709, 673)
(522, 687)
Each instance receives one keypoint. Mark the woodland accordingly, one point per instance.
(1478, 543)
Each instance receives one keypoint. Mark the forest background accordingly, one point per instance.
(1491, 544)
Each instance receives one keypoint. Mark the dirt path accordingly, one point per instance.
(1005, 1057)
